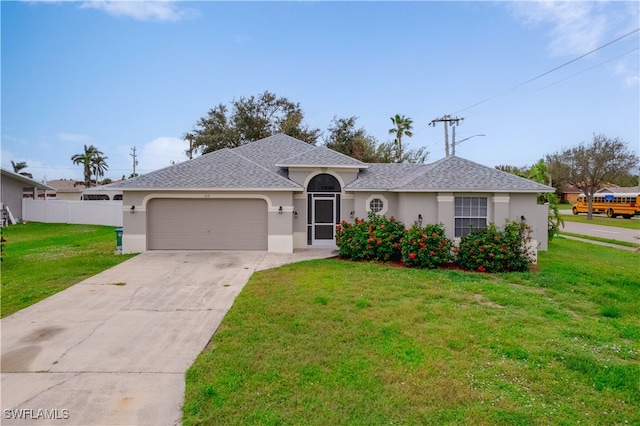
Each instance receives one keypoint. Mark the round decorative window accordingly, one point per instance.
(376, 205)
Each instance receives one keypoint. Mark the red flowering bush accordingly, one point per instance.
(377, 238)
(494, 250)
(426, 247)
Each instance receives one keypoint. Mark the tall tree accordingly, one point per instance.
(86, 159)
(99, 166)
(345, 138)
(402, 127)
(589, 167)
(248, 120)
(21, 165)
(189, 137)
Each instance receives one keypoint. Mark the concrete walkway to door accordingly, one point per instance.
(113, 349)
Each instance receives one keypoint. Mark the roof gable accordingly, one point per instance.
(268, 151)
(321, 157)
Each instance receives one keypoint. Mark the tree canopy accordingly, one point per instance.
(589, 167)
(345, 138)
(248, 120)
(19, 166)
(402, 126)
(93, 162)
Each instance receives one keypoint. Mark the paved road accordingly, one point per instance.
(113, 349)
(610, 232)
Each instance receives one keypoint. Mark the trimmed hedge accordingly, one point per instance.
(426, 247)
(483, 250)
(494, 250)
(375, 239)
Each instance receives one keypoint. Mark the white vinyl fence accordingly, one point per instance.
(77, 212)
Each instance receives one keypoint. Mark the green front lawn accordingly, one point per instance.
(602, 220)
(41, 259)
(338, 342)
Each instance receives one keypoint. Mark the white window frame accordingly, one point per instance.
(385, 203)
(470, 212)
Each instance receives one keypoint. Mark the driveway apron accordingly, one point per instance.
(113, 349)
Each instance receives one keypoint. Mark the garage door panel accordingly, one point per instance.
(207, 224)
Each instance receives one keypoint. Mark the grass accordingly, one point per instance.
(338, 342)
(602, 220)
(603, 240)
(41, 259)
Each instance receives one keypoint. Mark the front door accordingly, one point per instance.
(323, 220)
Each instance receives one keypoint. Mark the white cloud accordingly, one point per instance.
(162, 11)
(576, 27)
(161, 152)
(628, 70)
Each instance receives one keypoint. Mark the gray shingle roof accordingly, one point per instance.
(386, 176)
(268, 151)
(223, 169)
(321, 156)
(260, 165)
(457, 174)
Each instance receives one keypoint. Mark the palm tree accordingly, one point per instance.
(403, 126)
(99, 166)
(86, 159)
(19, 166)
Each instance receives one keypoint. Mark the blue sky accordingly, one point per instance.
(124, 74)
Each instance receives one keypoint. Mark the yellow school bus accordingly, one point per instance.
(613, 204)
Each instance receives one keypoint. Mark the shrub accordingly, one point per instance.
(494, 250)
(426, 247)
(377, 238)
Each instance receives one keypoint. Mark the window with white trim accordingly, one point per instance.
(376, 205)
(470, 213)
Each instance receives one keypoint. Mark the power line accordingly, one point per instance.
(561, 80)
(550, 71)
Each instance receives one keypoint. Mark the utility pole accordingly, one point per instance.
(135, 161)
(448, 121)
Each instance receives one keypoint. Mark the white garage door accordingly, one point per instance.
(207, 224)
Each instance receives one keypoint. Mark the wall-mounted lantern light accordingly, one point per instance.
(295, 214)
(132, 209)
(420, 219)
(280, 210)
(352, 213)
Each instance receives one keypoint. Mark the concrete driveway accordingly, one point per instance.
(113, 349)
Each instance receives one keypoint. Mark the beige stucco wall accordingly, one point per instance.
(280, 226)
(288, 231)
(302, 175)
(439, 208)
(69, 196)
(362, 200)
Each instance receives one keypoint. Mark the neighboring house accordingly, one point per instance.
(570, 193)
(280, 194)
(609, 189)
(66, 189)
(13, 186)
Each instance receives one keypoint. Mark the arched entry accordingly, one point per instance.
(323, 209)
